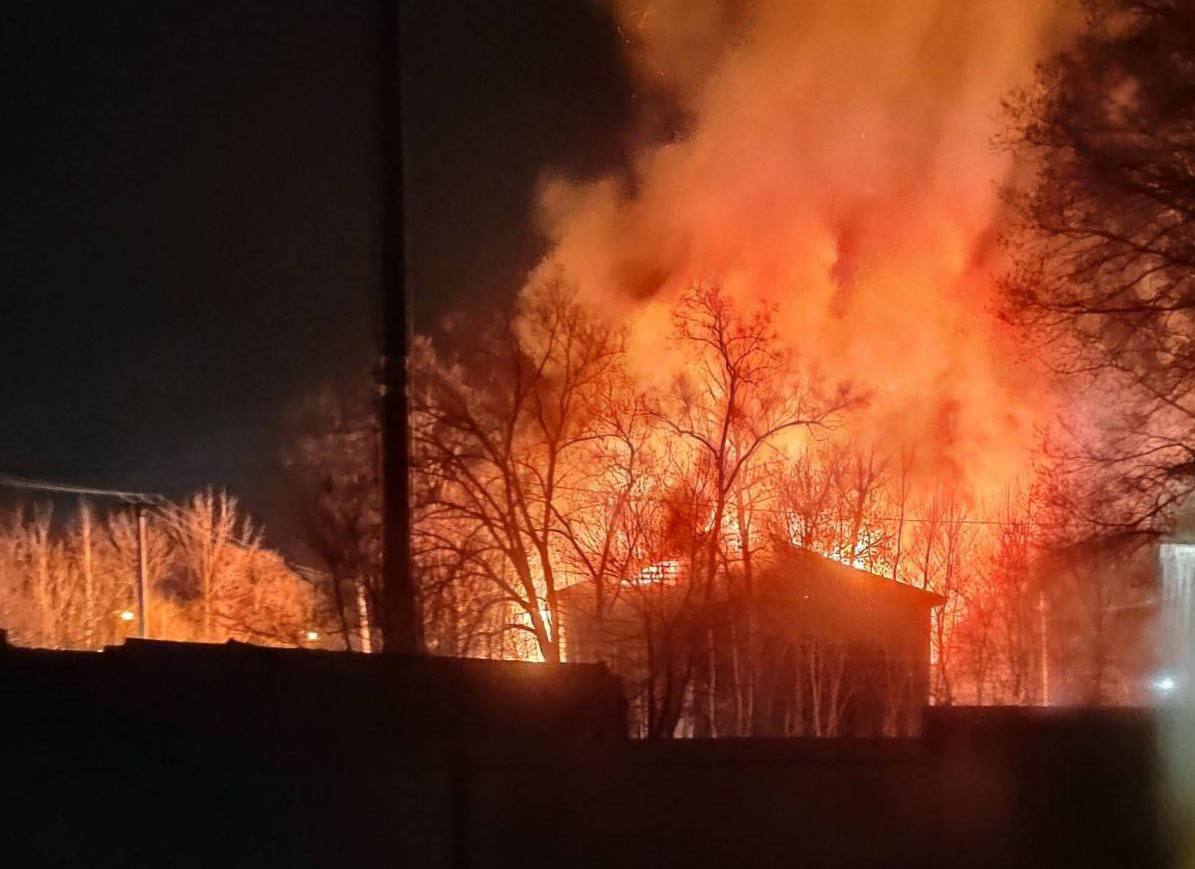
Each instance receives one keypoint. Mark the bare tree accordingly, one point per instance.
(1104, 265)
(336, 456)
(806, 503)
(213, 540)
(72, 584)
(942, 559)
(500, 436)
(829, 684)
(741, 389)
(264, 600)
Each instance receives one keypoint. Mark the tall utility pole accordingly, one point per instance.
(402, 630)
(142, 574)
(1045, 647)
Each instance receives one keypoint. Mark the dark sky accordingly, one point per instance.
(190, 239)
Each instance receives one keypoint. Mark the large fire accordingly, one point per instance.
(769, 346)
(835, 159)
(834, 164)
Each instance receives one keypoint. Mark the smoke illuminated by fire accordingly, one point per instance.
(834, 159)
(805, 251)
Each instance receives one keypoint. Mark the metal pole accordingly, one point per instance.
(1045, 649)
(400, 623)
(363, 618)
(142, 584)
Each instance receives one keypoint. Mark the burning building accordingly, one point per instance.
(813, 648)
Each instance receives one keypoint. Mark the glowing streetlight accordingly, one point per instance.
(312, 636)
(127, 616)
(1164, 684)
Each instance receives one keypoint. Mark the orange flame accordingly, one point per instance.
(837, 162)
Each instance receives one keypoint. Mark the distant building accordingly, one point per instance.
(817, 648)
(1176, 630)
(1105, 618)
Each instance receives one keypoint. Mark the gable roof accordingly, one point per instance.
(789, 572)
(794, 567)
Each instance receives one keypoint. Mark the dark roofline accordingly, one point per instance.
(847, 572)
(189, 654)
(882, 584)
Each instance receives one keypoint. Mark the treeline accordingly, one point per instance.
(547, 459)
(556, 478)
(69, 581)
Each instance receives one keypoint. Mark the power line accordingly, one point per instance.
(14, 481)
(139, 500)
(837, 517)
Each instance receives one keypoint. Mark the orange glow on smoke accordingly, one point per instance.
(837, 163)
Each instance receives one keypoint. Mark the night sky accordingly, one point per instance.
(190, 224)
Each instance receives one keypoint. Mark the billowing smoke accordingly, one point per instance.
(836, 158)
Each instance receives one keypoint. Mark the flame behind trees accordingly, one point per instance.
(773, 327)
(810, 235)
(543, 463)
(501, 436)
(540, 446)
(854, 207)
(830, 159)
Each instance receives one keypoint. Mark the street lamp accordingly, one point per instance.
(1164, 684)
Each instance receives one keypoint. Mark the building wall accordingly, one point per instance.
(822, 650)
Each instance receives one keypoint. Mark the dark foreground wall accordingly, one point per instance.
(237, 757)
(990, 788)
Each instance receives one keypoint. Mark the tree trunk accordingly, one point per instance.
(88, 575)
